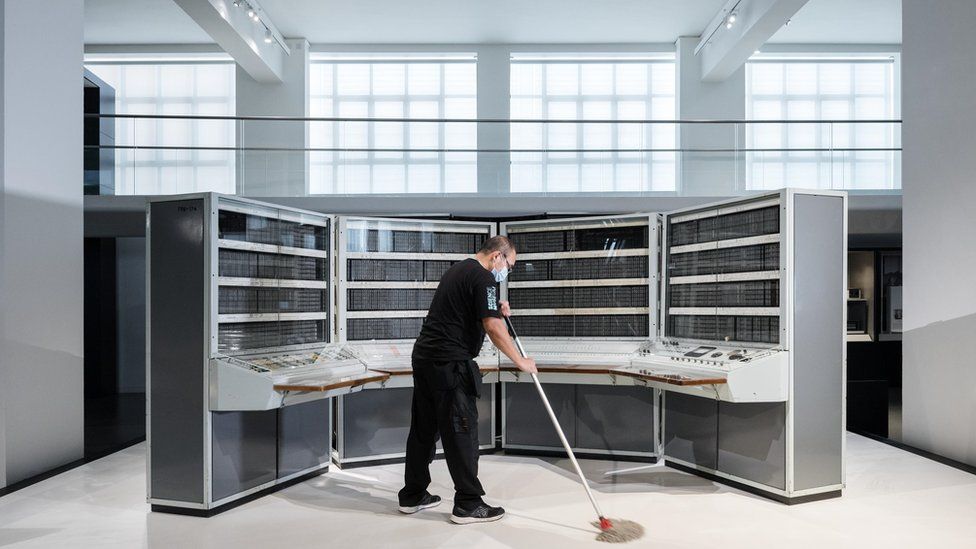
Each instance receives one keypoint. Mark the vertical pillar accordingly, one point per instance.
(493, 102)
(706, 173)
(939, 182)
(283, 172)
(41, 246)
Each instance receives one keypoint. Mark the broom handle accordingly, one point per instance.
(555, 422)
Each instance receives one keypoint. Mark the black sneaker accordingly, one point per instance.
(426, 502)
(481, 513)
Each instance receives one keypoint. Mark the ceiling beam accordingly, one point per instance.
(240, 36)
(724, 48)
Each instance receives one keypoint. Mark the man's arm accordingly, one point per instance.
(498, 333)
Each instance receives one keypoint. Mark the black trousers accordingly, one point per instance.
(445, 404)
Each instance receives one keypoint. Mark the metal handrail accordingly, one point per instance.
(481, 120)
(445, 150)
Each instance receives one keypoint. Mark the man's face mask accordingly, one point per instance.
(501, 274)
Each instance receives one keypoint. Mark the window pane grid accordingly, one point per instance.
(598, 90)
(385, 89)
(172, 88)
(804, 90)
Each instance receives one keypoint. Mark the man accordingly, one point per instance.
(447, 382)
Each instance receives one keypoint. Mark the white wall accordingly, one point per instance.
(939, 181)
(41, 251)
(3, 148)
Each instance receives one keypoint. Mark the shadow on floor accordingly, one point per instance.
(349, 494)
(625, 477)
(334, 492)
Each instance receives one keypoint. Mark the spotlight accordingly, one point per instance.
(237, 3)
(730, 20)
(255, 17)
(250, 12)
(267, 36)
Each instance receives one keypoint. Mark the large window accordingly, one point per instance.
(351, 86)
(822, 89)
(595, 156)
(164, 87)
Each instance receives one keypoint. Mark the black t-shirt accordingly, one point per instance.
(467, 293)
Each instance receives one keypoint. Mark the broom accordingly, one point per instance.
(611, 531)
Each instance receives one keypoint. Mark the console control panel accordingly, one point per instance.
(692, 354)
(607, 353)
(731, 372)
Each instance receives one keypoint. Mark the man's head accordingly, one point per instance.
(497, 255)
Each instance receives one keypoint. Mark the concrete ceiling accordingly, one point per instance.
(496, 21)
(844, 22)
(428, 21)
(140, 22)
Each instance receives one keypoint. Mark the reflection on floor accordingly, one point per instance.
(893, 499)
(113, 422)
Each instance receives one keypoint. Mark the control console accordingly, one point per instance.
(263, 381)
(570, 352)
(708, 355)
(731, 372)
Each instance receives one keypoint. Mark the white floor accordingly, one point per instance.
(893, 499)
